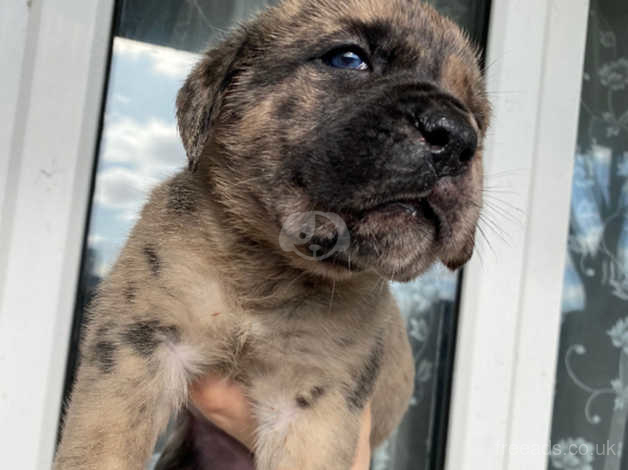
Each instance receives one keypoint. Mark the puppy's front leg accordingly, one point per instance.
(304, 427)
(130, 381)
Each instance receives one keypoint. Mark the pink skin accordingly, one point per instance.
(229, 434)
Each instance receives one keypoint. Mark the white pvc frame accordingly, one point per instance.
(53, 60)
(54, 56)
(510, 315)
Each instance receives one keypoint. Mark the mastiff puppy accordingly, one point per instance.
(333, 146)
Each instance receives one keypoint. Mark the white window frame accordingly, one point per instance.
(53, 61)
(505, 368)
(54, 56)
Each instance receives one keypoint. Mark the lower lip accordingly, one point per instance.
(411, 208)
(419, 211)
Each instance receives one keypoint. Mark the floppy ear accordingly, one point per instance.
(200, 99)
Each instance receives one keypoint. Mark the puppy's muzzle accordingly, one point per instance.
(410, 138)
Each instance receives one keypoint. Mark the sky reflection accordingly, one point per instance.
(140, 145)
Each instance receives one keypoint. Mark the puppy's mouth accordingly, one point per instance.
(399, 235)
(411, 205)
(415, 207)
(413, 210)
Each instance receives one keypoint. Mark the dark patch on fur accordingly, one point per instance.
(145, 336)
(153, 259)
(302, 402)
(365, 379)
(103, 355)
(130, 291)
(102, 330)
(181, 198)
(317, 392)
(287, 108)
(377, 34)
(307, 401)
(344, 342)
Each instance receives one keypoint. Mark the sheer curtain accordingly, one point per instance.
(591, 402)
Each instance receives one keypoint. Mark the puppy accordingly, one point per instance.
(354, 125)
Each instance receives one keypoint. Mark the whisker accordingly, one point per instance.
(490, 224)
(504, 92)
(516, 217)
(498, 190)
(505, 173)
(486, 239)
(505, 204)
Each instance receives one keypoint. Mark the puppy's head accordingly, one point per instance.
(373, 111)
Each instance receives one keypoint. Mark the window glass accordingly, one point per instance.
(591, 401)
(155, 43)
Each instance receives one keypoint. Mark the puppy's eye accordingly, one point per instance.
(346, 59)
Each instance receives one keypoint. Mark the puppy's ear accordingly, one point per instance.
(200, 99)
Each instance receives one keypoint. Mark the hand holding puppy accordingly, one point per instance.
(223, 403)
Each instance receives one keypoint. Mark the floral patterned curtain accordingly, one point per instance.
(591, 403)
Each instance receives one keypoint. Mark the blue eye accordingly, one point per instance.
(347, 60)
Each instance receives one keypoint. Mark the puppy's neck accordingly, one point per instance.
(257, 274)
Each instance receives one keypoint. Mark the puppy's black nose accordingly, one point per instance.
(450, 138)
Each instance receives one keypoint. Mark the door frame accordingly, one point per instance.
(54, 57)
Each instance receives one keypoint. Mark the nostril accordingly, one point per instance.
(466, 155)
(469, 142)
(438, 138)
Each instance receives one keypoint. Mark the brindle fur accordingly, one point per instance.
(202, 284)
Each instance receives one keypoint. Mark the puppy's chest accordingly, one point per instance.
(339, 343)
(338, 337)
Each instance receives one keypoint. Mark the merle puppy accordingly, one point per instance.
(333, 146)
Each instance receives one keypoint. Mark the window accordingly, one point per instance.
(591, 401)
